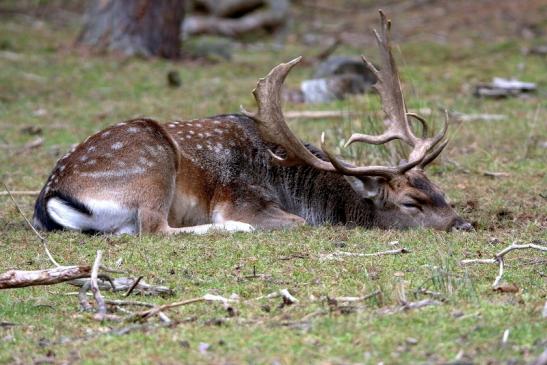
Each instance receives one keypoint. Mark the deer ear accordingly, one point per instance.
(367, 187)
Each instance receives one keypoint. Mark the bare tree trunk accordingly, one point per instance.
(148, 28)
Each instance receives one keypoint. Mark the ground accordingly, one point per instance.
(52, 97)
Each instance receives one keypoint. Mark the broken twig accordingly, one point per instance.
(101, 306)
(40, 237)
(124, 284)
(156, 310)
(500, 256)
(338, 255)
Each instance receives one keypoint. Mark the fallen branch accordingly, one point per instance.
(133, 286)
(156, 310)
(500, 256)
(410, 306)
(101, 306)
(20, 278)
(288, 298)
(338, 255)
(124, 284)
(272, 15)
(501, 88)
(356, 299)
(496, 174)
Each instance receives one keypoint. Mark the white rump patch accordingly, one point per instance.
(107, 216)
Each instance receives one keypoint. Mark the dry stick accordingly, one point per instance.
(40, 237)
(284, 293)
(124, 283)
(338, 254)
(156, 310)
(500, 256)
(133, 286)
(101, 306)
(128, 303)
(358, 299)
(161, 308)
(20, 278)
(82, 297)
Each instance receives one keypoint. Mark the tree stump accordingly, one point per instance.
(147, 28)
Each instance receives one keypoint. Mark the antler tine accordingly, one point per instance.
(388, 85)
(350, 170)
(436, 147)
(273, 128)
(271, 122)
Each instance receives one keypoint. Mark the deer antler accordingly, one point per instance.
(388, 86)
(273, 128)
(271, 122)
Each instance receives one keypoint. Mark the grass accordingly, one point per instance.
(70, 97)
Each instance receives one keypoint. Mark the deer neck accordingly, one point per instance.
(321, 197)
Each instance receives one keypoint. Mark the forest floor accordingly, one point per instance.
(52, 97)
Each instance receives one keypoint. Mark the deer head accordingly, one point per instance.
(403, 195)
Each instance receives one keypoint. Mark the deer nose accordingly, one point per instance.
(461, 225)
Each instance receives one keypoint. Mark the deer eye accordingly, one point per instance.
(411, 205)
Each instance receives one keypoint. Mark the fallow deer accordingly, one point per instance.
(245, 171)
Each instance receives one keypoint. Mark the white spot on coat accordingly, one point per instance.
(117, 145)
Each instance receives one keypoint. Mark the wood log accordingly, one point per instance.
(273, 15)
(20, 278)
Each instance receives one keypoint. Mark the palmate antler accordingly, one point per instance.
(273, 128)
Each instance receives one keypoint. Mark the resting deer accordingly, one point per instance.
(245, 171)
